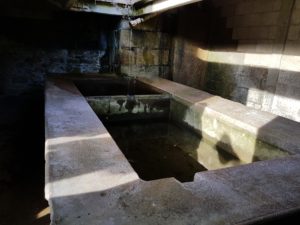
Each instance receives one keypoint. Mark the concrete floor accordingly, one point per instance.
(22, 161)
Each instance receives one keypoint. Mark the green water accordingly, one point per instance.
(153, 149)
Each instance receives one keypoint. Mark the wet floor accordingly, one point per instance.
(153, 150)
(22, 162)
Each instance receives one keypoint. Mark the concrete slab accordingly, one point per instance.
(81, 157)
(89, 181)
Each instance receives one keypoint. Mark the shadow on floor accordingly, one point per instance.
(290, 218)
(22, 161)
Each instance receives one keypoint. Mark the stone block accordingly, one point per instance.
(150, 57)
(247, 46)
(268, 19)
(125, 38)
(297, 4)
(239, 94)
(256, 33)
(265, 46)
(292, 47)
(165, 57)
(254, 105)
(296, 17)
(239, 72)
(294, 32)
(274, 32)
(255, 96)
(244, 8)
(247, 20)
(148, 71)
(290, 63)
(147, 57)
(286, 102)
(266, 6)
(127, 57)
(164, 72)
(143, 39)
(219, 79)
(149, 39)
(289, 78)
(248, 77)
(277, 5)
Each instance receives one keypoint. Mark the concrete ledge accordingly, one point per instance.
(247, 133)
(81, 157)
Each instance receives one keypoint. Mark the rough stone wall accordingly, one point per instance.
(187, 67)
(25, 68)
(250, 54)
(32, 49)
(145, 50)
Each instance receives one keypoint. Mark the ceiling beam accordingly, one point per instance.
(160, 6)
(102, 9)
(120, 7)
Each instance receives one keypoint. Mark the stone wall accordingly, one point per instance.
(32, 49)
(145, 50)
(26, 68)
(248, 53)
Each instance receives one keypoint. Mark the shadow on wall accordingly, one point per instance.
(225, 156)
(202, 147)
(242, 51)
(272, 90)
(235, 145)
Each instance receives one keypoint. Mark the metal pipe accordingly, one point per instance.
(142, 19)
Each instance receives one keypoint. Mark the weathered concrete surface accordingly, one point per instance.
(247, 133)
(249, 193)
(81, 157)
(89, 181)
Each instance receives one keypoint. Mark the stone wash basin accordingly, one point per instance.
(164, 153)
(155, 134)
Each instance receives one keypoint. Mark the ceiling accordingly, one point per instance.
(121, 7)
